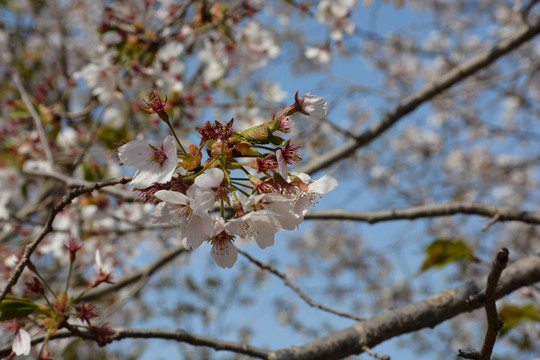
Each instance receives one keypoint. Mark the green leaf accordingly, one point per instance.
(512, 315)
(16, 308)
(444, 251)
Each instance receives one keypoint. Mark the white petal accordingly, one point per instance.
(203, 201)
(135, 153)
(174, 197)
(325, 184)
(97, 264)
(144, 178)
(224, 253)
(211, 178)
(164, 213)
(265, 240)
(22, 343)
(282, 164)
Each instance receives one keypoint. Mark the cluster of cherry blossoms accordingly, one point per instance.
(245, 174)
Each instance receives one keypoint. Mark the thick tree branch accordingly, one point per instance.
(426, 313)
(422, 95)
(501, 213)
(47, 228)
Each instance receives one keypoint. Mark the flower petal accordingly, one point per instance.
(22, 343)
(224, 253)
(211, 178)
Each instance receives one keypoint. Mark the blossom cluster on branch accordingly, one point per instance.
(245, 170)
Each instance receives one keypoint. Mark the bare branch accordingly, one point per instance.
(47, 228)
(374, 354)
(497, 213)
(494, 323)
(422, 95)
(296, 289)
(71, 181)
(37, 119)
(177, 335)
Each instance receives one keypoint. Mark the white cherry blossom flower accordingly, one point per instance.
(316, 188)
(314, 106)
(260, 225)
(153, 164)
(223, 251)
(22, 343)
(189, 211)
(280, 207)
(336, 14)
(321, 54)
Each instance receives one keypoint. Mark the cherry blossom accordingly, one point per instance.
(335, 13)
(315, 188)
(22, 342)
(314, 106)
(189, 211)
(280, 207)
(153, 164)
(321, 54)
(260, 225)
(223, 250)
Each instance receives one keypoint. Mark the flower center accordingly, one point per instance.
(184, 215)
(159, 156)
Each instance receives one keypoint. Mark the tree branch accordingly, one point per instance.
(71, 181)
(47, 228)
(501, 213)
(494, 323)
(422, 95)
(426, 313)
(296, 289)
(353, 340)
(178, 335)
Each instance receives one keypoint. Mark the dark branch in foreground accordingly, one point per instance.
(413, 317)
(422, 95)
(426, 211)
(47, 228)
(177, 335)
(494, 323)
(367, 334)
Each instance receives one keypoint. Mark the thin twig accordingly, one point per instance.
(493, 320)
(297, 290)
(147, 271)
(37, 119)
(71, 181)
(47, 228)
(374, 354)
